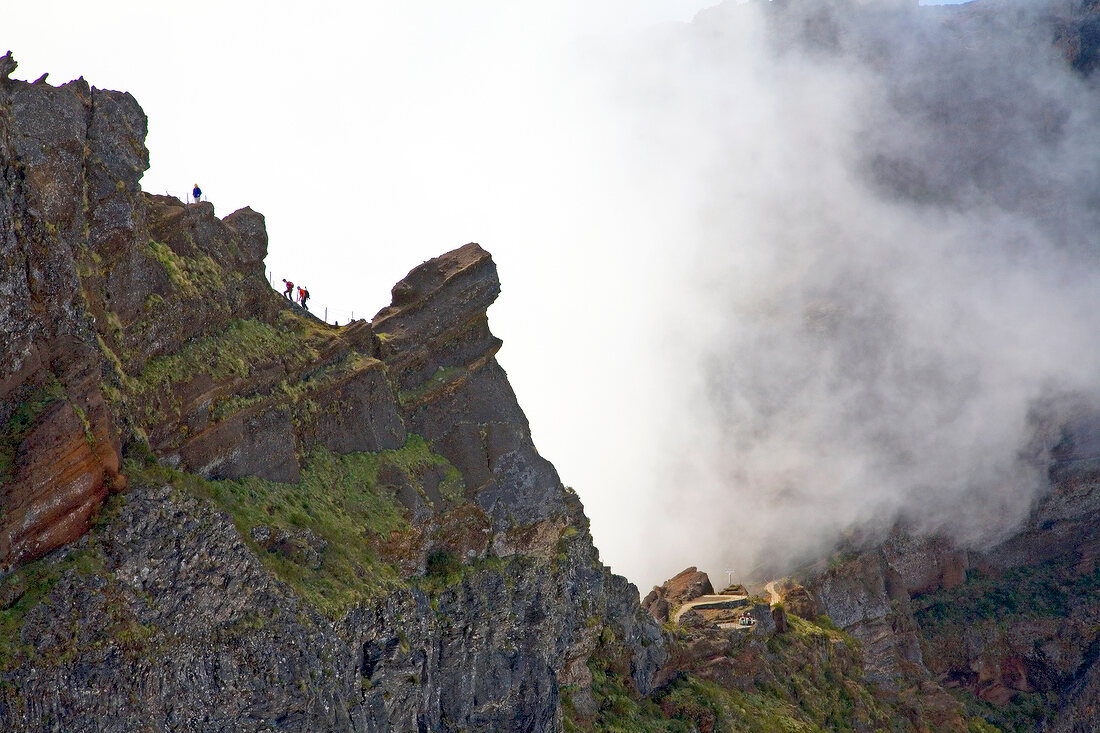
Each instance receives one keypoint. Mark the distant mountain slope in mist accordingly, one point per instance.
(895, 264)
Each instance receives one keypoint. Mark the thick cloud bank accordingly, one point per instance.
(887, 263)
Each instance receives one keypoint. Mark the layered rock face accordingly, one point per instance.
(320, 528)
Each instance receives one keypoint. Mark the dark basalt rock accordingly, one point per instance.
(212, 643)
(302, 547)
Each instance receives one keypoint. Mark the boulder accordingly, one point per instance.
(779, 618)
(692, 619)
(252, 228)
(300, 546)
(687, 585)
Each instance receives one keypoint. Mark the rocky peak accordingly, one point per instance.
(437, 321)
(435, 341)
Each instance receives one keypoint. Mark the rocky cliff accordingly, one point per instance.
(219, 513)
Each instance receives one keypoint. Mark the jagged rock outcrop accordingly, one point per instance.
(687, 585)
(322, 528)
(436, 344)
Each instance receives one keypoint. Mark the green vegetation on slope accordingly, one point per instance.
(348, 502)
(192, 276)
(1042, 591)
(290, 351)
(807, 680)
(998, 608)
(296, 390)
(1022, 714)
(232, 352)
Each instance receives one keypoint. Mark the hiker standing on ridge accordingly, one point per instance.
(289, 292)
(305, 297)
(301, 290)
(196, 192)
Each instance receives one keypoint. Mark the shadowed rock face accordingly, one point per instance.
(136, 325)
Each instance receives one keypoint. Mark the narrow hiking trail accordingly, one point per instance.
(715, 600)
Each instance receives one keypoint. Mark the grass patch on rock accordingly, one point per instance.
(443, 377)
(233, 352)
(28, 586)
(344, 504)
(192, 276)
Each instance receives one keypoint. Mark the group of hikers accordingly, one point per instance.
(301, 297)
